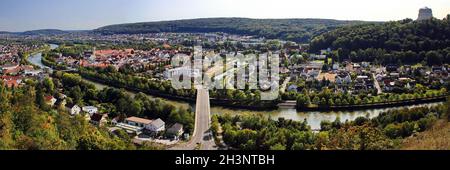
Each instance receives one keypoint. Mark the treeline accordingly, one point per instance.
(403, 123)
(395, 124)
(298, 30)
(406, 41)
(120, 103)
(251, 132)
(25, 126)
(237, 98)
(326, 97)
(258, 133)
(115, 78)
(49, 61)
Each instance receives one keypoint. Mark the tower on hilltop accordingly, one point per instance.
(425, 14)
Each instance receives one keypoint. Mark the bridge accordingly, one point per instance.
(201, 137)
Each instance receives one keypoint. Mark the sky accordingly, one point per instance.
(23, 15)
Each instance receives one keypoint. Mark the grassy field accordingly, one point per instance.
(436, 138)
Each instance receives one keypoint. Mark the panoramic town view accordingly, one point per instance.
(223, 81)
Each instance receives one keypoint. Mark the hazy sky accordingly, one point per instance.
(20, 15)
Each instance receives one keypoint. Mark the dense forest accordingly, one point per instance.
(298, 30)
(404, 41)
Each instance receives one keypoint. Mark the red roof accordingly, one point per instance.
(11, 81)
(48, 98)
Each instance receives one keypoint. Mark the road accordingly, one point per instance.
(202, 125)
(377, 85)
(284, 85)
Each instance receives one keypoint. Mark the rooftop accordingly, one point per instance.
(138, 120)
(158, 123)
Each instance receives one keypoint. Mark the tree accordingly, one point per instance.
(316, 100)
(392, 131)
(322, 140)
(359, 121)
(48, 85)
(325, 125)
(433, 58)
(336, 123)
(278, 146)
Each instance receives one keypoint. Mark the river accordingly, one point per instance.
(313, 118)
(36, 58)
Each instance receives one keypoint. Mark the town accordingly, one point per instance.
(115, 83)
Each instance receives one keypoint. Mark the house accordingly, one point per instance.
(11, 81)
(99, 119)
(176, 130)
(181, 71)
(335, 66)
(292, 88)
(392, 68)
(156, 126)
(343, 79)
(318, 57)
(73, 109)
(116, 120)
(90, 109)
(139, 122)
(50, 100)
(130, 129)
(437, 69)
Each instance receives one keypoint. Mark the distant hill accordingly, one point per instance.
(298, 30)
(44, 32)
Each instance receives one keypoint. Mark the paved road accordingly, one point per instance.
(284, 85)
(202, 125)
(377, 85)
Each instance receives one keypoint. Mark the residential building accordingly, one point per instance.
(90, 109)
(139, 122)
(99, 119)
(73, 109)
(50, 100)
(156, 126)
(176, 130)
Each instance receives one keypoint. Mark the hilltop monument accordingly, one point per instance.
(425, 14)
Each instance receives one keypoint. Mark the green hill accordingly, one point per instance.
(392, 36)
(298, 30)
(405, 41)
(44, 32)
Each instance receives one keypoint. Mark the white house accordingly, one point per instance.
(176, 130)
(181, 71)
(343, 79)
(74, 109)
(139, 122)
(90, 109)
(50, 100)
(156, 126)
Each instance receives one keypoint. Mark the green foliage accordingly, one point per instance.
(382, 132)
(403, 41)
(118, 102)
(24, 125)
